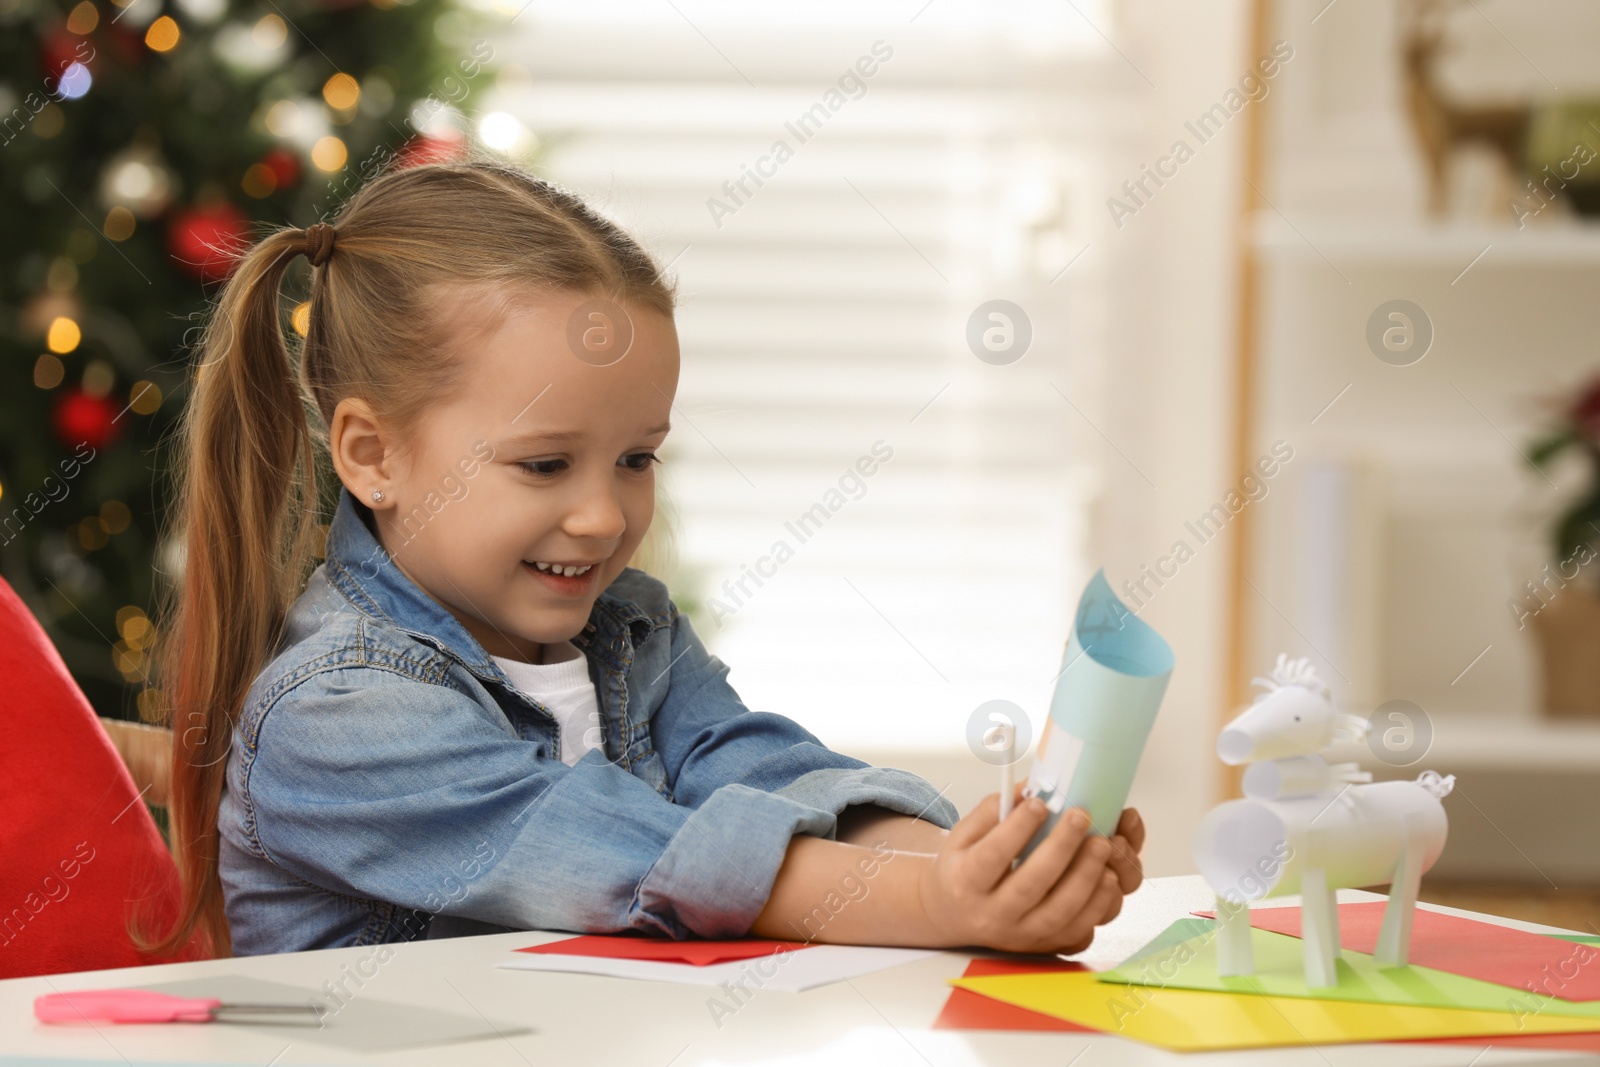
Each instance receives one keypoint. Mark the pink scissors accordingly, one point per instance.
(147, 1006)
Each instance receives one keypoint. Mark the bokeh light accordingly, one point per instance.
(115, 516)
(75, 81)
(98, 378)
(259, 181)
(149, 704)
(270, 33)
(119, 224)
(163, 34)
(501, 131)
(145, 397)
(63, 335)
(48, 371)
(342, 92)
(329, 154)
(84, 18)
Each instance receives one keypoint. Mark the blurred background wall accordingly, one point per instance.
(827, 309)
(1201, 221)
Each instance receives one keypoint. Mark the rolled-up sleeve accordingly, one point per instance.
(416, 794)
(709, 740)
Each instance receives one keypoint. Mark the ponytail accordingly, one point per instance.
(246, 515)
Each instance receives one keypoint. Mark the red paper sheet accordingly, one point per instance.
(1546, 965)
(1567, 1042)
(966, 1010)
(699, 953)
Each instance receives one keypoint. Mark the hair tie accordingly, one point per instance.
(319, 243)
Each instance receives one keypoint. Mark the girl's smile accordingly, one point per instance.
(522, 554)
(565, 584)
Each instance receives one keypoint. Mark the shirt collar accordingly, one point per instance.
(363, 571)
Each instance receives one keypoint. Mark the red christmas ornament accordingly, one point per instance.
(284, 166)
(425, 148)
(59, 50)
(79, 418)
(207, 239)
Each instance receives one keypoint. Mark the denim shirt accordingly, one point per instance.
(387, 782)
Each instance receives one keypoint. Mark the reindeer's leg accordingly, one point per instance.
(1319, 928)
(1394, 939)
(1234, 955)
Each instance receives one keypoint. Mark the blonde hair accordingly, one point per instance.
(247, 512)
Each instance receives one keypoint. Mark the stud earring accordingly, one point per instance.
(377, 496)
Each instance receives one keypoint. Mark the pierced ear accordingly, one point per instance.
(359, 443)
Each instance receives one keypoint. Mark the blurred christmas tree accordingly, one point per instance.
(139, 145)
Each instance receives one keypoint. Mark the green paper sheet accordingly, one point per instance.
(1179, 932)
(1280, 972)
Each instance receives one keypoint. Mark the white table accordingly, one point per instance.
(884, 1018)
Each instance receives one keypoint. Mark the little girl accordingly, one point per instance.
(475, 715)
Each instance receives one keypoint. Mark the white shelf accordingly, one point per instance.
(1510, 742)
(1516, 743)
(1349, 242)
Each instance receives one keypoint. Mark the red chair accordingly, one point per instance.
(79, 853)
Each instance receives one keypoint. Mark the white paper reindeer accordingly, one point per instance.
(1310, 827)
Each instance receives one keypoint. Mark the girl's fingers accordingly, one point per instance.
(990, 858)
(975, 823)
(1125, 862)
(1068, 897)
(981, 819)
(1114, 899)
(1131, 826)
(1024, 887)
(1103, 904)
(1074, 949)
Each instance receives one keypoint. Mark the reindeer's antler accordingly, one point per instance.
(1299, 672)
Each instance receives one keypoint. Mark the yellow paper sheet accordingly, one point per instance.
(1189, 1020)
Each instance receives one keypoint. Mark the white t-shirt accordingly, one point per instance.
(563, 687)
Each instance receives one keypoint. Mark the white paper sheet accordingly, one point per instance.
(790, 972)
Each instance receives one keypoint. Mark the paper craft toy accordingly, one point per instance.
(1310, 827)
(1113, 674)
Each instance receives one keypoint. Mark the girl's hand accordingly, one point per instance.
(1051, 902)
